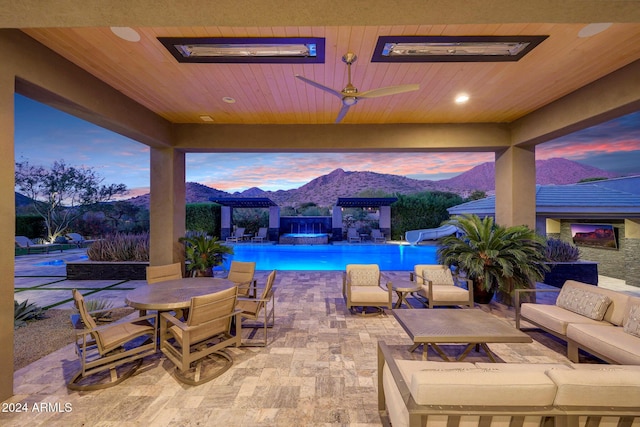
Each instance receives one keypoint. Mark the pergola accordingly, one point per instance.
(117, 101)
(382, 203)
(229, 203)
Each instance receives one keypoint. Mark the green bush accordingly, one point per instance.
(24, 311)
(29, 225)
(203, 217)
(421, 210)
(120, 247)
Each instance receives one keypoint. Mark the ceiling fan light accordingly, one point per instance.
(462, 98)
(349, 100)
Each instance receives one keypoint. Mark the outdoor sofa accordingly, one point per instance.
(455, 394)
(600, 321)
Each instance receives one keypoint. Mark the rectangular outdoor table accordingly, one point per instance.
(456, 326)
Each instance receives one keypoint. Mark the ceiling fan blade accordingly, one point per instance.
(319, 86)
(342, 113)
(390, 90)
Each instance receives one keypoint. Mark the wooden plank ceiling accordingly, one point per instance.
(270, 94)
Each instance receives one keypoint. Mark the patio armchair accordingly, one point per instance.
(237, 235)
(439, 288)
(261, 236)
(353, 236)
(117, 348)
(190, 345)
(256, 309)
(241, 273)
(377, 236)
(362, 287)
(24, 242)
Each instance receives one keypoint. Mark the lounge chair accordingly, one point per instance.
(362, 288)
(261, 237)
(241, 273)
(439, 287)
(255, 308)
(206, 333)
(78, 240)
(115, 347)
(377, 236)
(24, 242)
(353, 236)
(237, 236)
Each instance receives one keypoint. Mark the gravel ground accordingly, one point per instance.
(41, 337)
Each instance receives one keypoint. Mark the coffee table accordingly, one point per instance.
(473, 327)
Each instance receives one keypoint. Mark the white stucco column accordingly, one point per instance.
(516, 187)
(167, 208)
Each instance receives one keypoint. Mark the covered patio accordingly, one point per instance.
(44, 60)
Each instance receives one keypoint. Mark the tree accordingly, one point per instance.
(60, 194)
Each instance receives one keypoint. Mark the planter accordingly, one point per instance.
(481, 295)
(102, 270)
(581, 271)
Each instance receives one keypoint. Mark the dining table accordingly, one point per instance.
(174, 294)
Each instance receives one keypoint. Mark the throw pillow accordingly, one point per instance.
(632, 322)
(589, 304)
(439, 276)
(364, 277)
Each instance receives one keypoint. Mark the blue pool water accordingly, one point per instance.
(57, 262)
(333, 257)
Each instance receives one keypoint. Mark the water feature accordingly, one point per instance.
(333, 257)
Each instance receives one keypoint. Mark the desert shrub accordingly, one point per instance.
(120, 247)
(22, 312)
(560, 251)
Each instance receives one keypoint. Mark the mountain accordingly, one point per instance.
(325, 189)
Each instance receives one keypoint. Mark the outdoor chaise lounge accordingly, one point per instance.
(208, 331)
(24, 242)
(115, 347)
(78, 240)
(377, 236)
(353, 236)
(261, 237)
(237, 236)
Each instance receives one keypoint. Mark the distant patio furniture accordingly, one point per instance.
(257, 308)
(438, 287)
(362, 288)
(78, 240)
(237, 236)
(377, 236)
(241, 273)
(24, 242)
(353, 236)
(206, 333)
(261, 237)
(114, 347)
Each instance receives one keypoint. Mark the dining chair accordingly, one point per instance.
(439, 287)
(256, 309)
(362, 287)
(161, 273)
(208, 331)
(241, 273)
(116, 348)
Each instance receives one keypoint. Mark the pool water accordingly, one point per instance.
(333, 257)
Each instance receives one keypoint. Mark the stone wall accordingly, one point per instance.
(623, 263)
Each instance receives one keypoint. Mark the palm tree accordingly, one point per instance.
(202, 253)
(495, 257)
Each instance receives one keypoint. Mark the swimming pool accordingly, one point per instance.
(333, 257)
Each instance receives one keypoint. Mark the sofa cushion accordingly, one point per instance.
(553, 317)
(590, 304)
(484, 387)
(600, 388)
(632, 320)
(618, 307)
(608, 340)
(510, 367)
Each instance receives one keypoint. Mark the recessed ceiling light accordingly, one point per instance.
(462, 98)
(126, 33)
(229, 100)
(593, 29)
(206, 118)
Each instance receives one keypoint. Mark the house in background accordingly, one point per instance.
(614, 202)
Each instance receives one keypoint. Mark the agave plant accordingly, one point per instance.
(99, 308)
(494, 257)
(202, 253)
(24, 311)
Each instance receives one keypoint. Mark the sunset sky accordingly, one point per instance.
(44, 134)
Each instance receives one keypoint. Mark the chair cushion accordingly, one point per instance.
(369, 294)
(632, 320)
(445, 293)
(364, 277)
(590, 304)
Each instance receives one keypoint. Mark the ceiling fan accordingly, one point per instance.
(350, 95)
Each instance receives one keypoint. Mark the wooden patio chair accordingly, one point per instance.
(116, 349)
(362, 288)
(439, 287)
(162, 273)
(257, 308)
(241, 273)
(206, 333)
